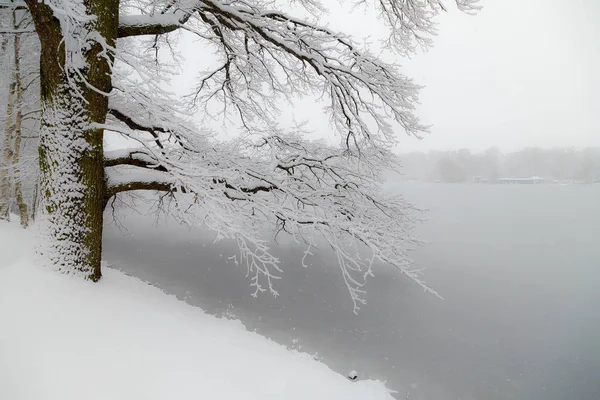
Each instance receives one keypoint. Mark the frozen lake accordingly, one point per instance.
(518, 266)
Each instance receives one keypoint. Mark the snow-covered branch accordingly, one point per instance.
(308, 190)
(268, 49)
(130, 177)
(139, 25)
(131, 157)
(265, 180)
(411, 23)
(132, 124)
(15, 31)
(267, 54)
(138, 185)
(304, 189)
(13, 4)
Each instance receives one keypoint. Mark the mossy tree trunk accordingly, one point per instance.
(72, 180)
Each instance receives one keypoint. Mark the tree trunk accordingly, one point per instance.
(23, 213)
(23, 209)
(34, 201)
(70, 152)
(5, 163)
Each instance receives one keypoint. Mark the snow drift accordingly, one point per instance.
(64, 338)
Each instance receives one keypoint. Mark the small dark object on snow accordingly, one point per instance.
(353, 375)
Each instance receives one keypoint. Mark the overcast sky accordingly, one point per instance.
(520, 73)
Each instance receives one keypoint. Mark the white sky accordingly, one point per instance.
(520, 73)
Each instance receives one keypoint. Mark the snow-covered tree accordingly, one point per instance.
(19, 117)
(100, 73)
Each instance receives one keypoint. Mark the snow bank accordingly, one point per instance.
(63, 338)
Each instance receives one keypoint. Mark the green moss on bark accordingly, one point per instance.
(86, 205)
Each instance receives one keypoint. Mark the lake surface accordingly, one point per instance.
(518, 267)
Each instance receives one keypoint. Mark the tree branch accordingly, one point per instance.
(133, 161)
(138, 25)
(140, 30)
(152, 130)
(12, 4)
(129, 186)
(126, 187)
(131, 124)
(16, 31)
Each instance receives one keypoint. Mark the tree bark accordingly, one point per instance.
(71, 156)
(5, 163)
(23, 209)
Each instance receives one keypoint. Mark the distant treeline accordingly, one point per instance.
(562, 164)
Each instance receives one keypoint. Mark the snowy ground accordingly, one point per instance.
(62, 338)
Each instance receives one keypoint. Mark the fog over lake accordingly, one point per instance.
(518, 267)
